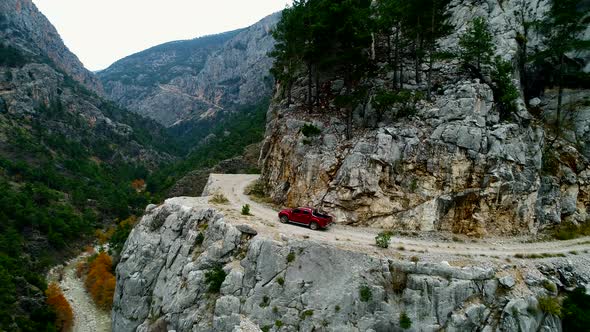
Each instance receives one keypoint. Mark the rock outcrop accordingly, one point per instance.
(165, 278)
(451, 165)
(185, 81)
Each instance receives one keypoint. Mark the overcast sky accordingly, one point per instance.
(100, 32)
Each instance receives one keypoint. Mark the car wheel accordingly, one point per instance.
(314, 226)
(284, 219)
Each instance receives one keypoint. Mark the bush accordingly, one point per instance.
(218, 198)
(576, 311)
(63, 311)
(280, 281)
(506, 92)
(365, 293)
(404, 321)
(309, 130)
(100, 281)
(550, 305)
(382, 239)
(290, 257)
(246, 210)
(214, 278)
(568, 231)
(265, 302)
(306, 313)
(548, 285)
(11, 57)
(199, 239)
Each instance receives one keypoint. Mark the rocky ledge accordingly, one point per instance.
(166, 281)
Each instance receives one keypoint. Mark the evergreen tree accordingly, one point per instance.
(476, 45)
(351, 25)
(562, 30)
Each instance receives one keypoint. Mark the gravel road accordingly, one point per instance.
(265, 220)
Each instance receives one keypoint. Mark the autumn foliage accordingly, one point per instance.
(63, 311)
(100, 281)
(138, 185)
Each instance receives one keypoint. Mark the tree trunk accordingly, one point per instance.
(390, 60)
(309, 87)
(349, 106)
(396, 74)
(559, 98)
(289, 97)
(317, 86)
(430, 61)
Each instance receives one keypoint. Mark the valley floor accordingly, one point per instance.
(87, 317)
(265, 220)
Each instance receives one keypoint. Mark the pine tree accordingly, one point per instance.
(476, 45)
(562, 30)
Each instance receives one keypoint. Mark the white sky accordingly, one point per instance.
(101, 32)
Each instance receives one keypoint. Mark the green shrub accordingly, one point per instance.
(337, 308)
(280, 281)
(265, 302)
(199, 239)
(550, 305)
(218, 198)
(548, 285)
(306, 313)
(382, 239)
(506, 92)
(568, 231)
(576, 311)
(246, 210)
(404, 321)
(290, 257)
(11, 57)
(214, 278)
(309, 130)
(365, 293)
(279, 323)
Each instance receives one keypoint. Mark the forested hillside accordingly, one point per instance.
(70, 162)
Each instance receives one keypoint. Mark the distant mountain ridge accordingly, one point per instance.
(23, 25)
(195, 79)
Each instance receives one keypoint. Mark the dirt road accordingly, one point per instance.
(265, 220)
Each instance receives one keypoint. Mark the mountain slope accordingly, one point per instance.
(22, 25)
(67, 161)
(195, 79)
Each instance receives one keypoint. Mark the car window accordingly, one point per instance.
(305, 212)
(296, 211)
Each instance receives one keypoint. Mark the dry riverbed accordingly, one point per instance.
(87, 317)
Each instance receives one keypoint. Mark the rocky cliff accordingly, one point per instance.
(190, 80)
(170, 278)
(451, 165)
(22, 25)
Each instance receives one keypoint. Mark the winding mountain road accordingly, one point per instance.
(265, 221)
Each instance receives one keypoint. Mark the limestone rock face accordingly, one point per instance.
(452, 165)
(296, 285)
(196, 79)
(26, 28)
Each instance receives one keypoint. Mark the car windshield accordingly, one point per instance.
(319, 214)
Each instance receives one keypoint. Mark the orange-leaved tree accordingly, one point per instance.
(100, 281)
(64, 317)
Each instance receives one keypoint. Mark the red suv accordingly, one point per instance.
(306, 216)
